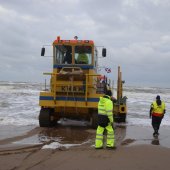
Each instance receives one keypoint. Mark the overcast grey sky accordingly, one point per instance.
(136, 34)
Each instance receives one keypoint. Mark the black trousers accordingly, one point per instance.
(156, 121)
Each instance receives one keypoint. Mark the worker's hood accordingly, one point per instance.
(104, 99)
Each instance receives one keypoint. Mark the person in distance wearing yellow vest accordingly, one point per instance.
(157, 112)
(105, 122)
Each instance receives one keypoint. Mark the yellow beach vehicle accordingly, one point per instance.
(75, 85)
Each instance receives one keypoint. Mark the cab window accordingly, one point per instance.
(63, 54)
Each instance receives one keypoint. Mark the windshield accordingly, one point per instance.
(63, 54)
(83, 54)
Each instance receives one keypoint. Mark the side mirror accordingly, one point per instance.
(42, 51)
(104, 52)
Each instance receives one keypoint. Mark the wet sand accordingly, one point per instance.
(74, 149)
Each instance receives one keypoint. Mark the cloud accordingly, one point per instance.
(135, 33)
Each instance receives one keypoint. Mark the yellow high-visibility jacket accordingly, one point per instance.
(158, 110)
(105, 111)
(82, 59)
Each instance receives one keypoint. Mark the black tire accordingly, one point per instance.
(123, 118)
(120, 118)
(94, 120)
(45, 117)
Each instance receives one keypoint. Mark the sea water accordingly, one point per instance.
(19, 104)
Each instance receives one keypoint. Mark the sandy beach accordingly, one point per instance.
(73, 149)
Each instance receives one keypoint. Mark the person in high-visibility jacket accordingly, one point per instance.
(105, 121)
(82, 58)
(157, 112)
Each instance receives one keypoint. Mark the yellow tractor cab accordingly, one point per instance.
(75, 86)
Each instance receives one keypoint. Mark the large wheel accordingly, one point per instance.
(120, 118)
(46, 118)
(123, 118)
(94, 120)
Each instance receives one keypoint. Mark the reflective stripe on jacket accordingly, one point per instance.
(105, 108)
(158, 110)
